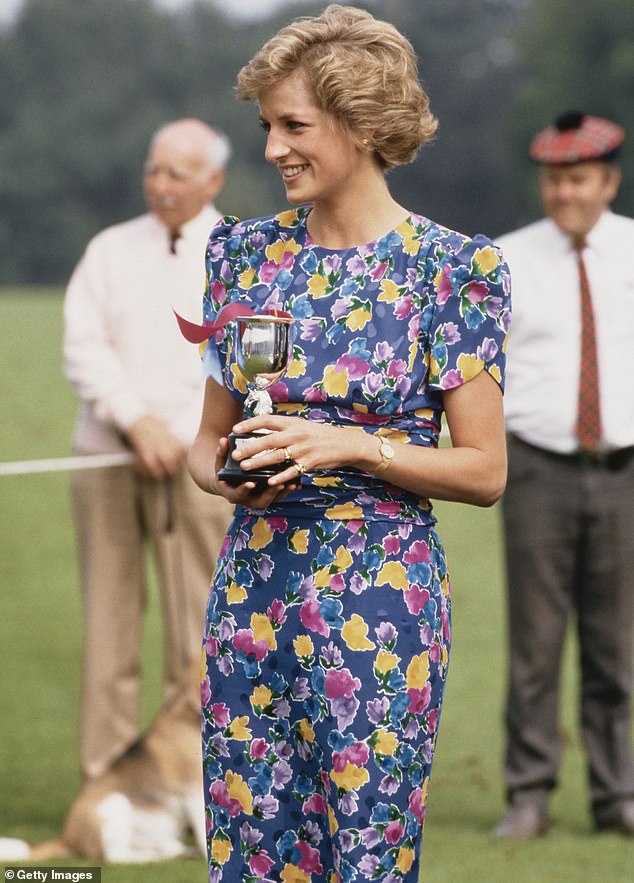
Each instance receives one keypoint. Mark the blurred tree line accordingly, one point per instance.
(85, 83)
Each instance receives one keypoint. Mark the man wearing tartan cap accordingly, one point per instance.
(576, 137)
(569, 504)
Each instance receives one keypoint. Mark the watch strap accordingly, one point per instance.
(387, 453)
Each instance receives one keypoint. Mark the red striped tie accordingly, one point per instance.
(175, 235)
(588, 411)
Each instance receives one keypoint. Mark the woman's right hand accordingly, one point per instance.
(248, 493)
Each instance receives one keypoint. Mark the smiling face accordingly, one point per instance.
(317, 160)
(575, 196)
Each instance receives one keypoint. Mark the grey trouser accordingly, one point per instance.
(117, 515)
(569, 525)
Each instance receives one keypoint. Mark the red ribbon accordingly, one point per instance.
(198, 333)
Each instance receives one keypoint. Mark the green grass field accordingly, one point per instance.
(40, 638)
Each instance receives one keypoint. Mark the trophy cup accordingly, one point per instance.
(263, 346)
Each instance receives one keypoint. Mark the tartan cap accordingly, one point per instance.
(577, 137)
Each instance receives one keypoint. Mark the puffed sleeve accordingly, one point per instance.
(240, 267)
(471, 315)
(221, 264)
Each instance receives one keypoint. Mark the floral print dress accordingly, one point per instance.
(329, 621)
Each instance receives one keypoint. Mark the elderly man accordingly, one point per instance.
(569, 505)
(140, 388)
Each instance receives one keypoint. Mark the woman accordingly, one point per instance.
(328, 630)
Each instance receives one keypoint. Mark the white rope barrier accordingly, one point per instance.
(66, 464)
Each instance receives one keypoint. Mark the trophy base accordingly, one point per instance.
(232, 473)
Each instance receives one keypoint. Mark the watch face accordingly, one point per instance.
(387, 450)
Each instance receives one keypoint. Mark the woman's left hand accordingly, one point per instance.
(309, 445)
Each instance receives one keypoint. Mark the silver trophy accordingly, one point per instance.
(262, 350)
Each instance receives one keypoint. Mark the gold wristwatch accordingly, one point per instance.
(387, 455)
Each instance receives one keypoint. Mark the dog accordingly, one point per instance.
(146, 805)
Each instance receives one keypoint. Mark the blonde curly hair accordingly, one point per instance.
(362, 71)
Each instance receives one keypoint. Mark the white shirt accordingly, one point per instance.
(542, 381)
(123, 351)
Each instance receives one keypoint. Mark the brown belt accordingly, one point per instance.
(612, 460)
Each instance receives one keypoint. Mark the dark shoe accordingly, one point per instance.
(523, 821)
(619, 817)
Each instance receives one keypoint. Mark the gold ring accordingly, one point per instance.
(287, 454)
(300, 467)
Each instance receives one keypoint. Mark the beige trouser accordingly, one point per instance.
(117, 514)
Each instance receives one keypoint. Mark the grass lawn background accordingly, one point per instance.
(40, 643)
